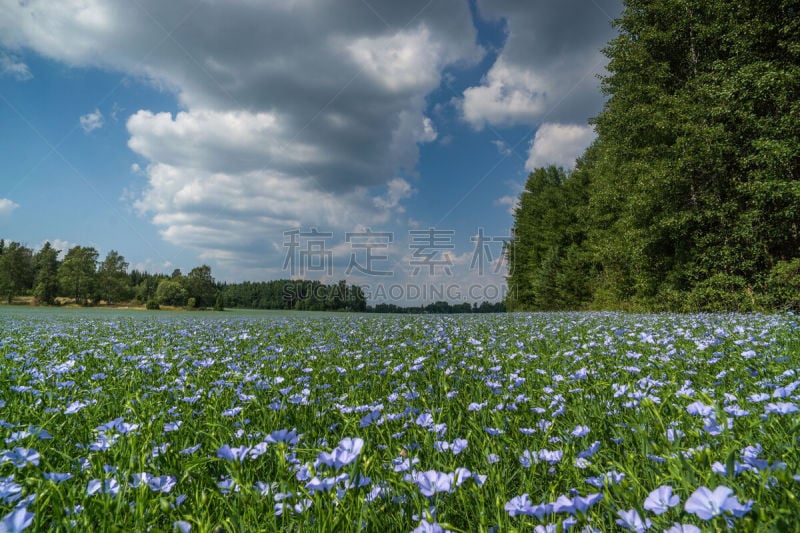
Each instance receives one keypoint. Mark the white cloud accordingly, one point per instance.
(10, 66)
(92, 121)
(406, 61)
(428, 132)
(508, 95)
(547, 69)
(559, 144)
(510, 202)
(398, 190)
(7, 207)
(502, 147)
(153, 266)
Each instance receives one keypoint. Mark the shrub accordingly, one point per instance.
(783, 284)
(721, 292)
(152, 305)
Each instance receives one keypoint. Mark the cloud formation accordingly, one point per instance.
(548, 68)
(7, 207)
(92, 121)
(558, 144)
(10, 66)
(293, 112)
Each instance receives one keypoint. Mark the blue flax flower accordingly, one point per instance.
(631, 521)
(17, 520)
(707, 504)
(661, 499)
(431, 482)
(683, 528)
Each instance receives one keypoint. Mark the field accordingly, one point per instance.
(598, 422)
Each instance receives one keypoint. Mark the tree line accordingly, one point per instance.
(301, 295)
(689, 198)
(86, 280)
(81, 277)
(440, 307)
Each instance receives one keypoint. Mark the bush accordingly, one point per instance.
(171, 292)
(783, 284)
(191, 303)
(152, 305)
(721, 292)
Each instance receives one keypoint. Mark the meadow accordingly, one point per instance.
(270, 422)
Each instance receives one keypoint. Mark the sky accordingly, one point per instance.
(376, 141)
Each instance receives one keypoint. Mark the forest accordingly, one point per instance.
(689, 198)
(81, 278)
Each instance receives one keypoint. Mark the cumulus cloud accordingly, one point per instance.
(12, 67)
(548, 67)
(397, 190)
(558, 144)
(92, 121)
(7, 207)
(507, 96)
(293, 113)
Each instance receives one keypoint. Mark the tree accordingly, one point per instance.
(690, 191)
(45, 265)
(700, 153)
(16, 270)
(112, 277)
(547, 235)
(144, 284)
(171, 292)
(77, 272)
(200, 286)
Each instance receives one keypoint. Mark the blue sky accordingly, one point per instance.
(184, 133)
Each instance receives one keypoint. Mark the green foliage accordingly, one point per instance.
(191, 303)
(77, 274)
(218, 303)
(45, 265)
(547, 269)
(112, 278)
(293, 294)
(152, 305)
(721, 292)
(784, 284)
(200, 285)
(691, 189)
(16, 270)
(170, 292)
